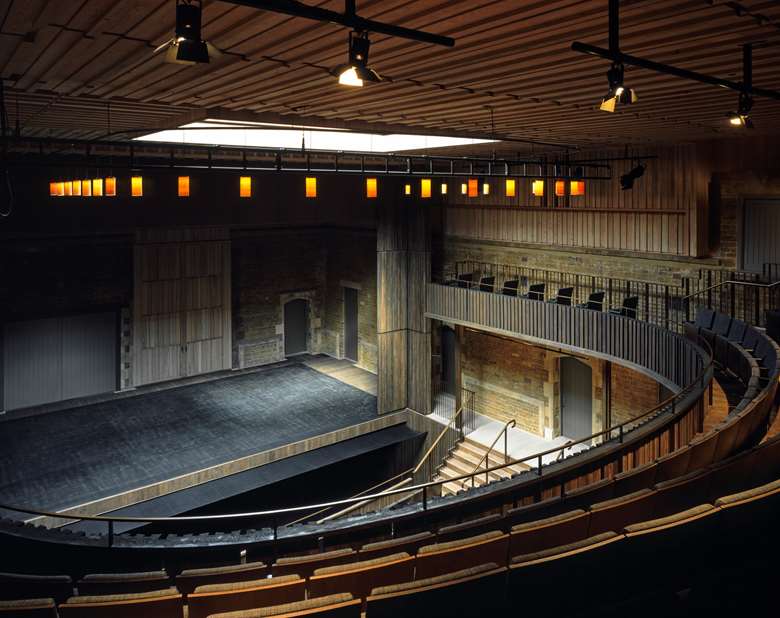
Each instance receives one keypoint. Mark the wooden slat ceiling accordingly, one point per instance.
(73, 69)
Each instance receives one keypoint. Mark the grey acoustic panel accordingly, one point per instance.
(32, 359)
(760, 236)
(89, 354)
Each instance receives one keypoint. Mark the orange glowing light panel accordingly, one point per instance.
(560, 188)
(473, 187)
(511, 187)
(111, 186)
(537, 188)
(137, 186)
(97, 187)
(425, 188)
(245, 186)
(311, 187)
(577, 187)
(372, 190)
(86, 188)
(183, 186)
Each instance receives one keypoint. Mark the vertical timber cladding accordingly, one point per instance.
(181, 303)
(403, 331)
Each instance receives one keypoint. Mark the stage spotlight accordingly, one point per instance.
(741, 118)
(627, 180)
(618, 93)
(357, 71)
(187, 46)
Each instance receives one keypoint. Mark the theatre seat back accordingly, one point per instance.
(362, 577)
(491, 547)
(550, 532)
(218, 598)
(161, 604)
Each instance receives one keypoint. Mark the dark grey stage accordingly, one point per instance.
(66, 458)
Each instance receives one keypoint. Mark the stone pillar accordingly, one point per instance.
(403, 332)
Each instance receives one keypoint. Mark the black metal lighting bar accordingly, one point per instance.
(616, 55)
(349, 18)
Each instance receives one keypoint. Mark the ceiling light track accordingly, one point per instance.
(349, 18)
(37, 152)
(617, 56)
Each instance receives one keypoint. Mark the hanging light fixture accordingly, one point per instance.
(741, 117)
(617, 93)
(357, 71)
(187, 46)
(627, 180)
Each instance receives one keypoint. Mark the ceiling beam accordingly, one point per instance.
(349, 18)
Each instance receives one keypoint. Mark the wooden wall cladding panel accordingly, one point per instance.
(391, 226)
(392, 371)
(391, 291)
(663, 214)
(418, 276)
(419, 371)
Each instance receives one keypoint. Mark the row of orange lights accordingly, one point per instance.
(94, 187)
(471, 188)
(99, 187)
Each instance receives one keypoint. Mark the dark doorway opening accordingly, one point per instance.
(576, 399)
(447, 359)
(296, 327)
(351, 324)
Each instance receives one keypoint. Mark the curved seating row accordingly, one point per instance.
(405, 562)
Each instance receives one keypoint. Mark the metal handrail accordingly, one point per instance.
(424, 487)
(751, 284)
(436, 442)
(486, 457)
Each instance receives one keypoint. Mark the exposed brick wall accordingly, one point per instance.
(632, 394)
(508, 378)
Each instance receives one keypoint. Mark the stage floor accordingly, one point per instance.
(69, 457)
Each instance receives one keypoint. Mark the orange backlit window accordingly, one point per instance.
(577, 187)
(560, 188)
(473, 187)
(77, 188)
(311, 187)
(97, 187)
(425, 188)
(537, 188)
(371, 188)
(68, 188)
(511, 187)
(111, 186)
(245, 186)
(86, 188)
(137, 186)
(184, 186)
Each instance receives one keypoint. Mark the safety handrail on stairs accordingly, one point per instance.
(426, 459)
(486, 457)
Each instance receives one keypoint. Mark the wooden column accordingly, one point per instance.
(403, 332)
(460, 339)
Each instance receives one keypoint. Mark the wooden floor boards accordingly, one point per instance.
(344, 371)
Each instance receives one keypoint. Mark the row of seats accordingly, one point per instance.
(471, 576)
(489, 539)
(537, 291)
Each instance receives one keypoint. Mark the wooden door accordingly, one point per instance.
(576, 399)
(296, 327)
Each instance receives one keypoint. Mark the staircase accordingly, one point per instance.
(464, 459)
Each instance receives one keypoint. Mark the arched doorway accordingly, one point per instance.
(296, 327)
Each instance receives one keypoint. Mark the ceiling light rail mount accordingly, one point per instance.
(37, 152)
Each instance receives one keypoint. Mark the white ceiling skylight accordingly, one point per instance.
(269, 135)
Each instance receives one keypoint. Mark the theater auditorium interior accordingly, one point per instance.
(346, 309)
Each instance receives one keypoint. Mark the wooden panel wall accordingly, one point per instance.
(182, 304)
(665, 213)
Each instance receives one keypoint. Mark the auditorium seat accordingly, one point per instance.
(673, 464)
(189, 579)
(628, 309)
(410, 544)
(28, 608)
(333, 606)
(705, 318)
(535, 291)
(637, 478)
(530, 512)
(20, 586)
(563, 297)
(584, 496)
(441, 558)
(306, 565)
(123, 583)
(465, 280)
(737, 332)
(469, 528)
(703, 450)
(676, 495)
(563, 577)
(549, 532)
(158, 604)
(745, 516)
(614, 515)
(727, 437)
(215, 598)
(730, 475)
(487, 284)
(476, 591)
(722, 324)
(676, 545)
(595, 302)
(360, 578)
(510, 287)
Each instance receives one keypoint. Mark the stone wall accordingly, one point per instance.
(509, 379)
(633, 394)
